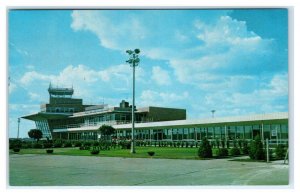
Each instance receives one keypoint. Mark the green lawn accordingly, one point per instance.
(141, 152)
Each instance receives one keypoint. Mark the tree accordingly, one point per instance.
(35, 134)
(107, 130)
(205, 150)
(256, 150)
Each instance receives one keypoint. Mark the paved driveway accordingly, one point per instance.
(59, 170)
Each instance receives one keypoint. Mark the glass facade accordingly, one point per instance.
(44, 127)
(273, 132)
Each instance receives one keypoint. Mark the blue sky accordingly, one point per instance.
(232, 61)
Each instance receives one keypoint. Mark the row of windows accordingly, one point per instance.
(58, 109)
(108, 117)
(279, 131)
(272, 132)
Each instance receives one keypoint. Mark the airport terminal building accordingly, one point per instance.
(65, 117)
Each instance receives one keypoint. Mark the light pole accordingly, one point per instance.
(133, 61)
(18, 127)
(212, 113)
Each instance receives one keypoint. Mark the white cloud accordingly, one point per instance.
(126, 30)
(155, 98)
(87, 82)
(160, 76)
(31, 76)
(224, 45)
(29, 108)
(262, 100)
(12, 87)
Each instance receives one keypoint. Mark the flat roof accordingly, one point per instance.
(46, 115)
(271, 117)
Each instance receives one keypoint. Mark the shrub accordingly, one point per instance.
(87, 144)
(256, 151)
(81, 148)
(95, 150)
(49, 151)
(27, 145)
(240, 143)
(235, 151)
(205, 150)
(57, 145)
(222, 152)
(77, 144)
(280, 151)
(37, 145)
(48, 145)
(15, 144)
(151, 153)
(245, 148)
(16, 149)
(125, 144)
(67, 144)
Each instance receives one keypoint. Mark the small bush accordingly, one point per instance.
(49, 151)
(77, 144)
(240, 143)
(57, 144)
(222, 152)
(48, 145)
(245, 148)
(16, 149)
(95, 150)
(125, 145)
(15, 144)
(280, 151)
(68, 144)
(87, 144)
(37, 145)
(151, 153)
(235, 151)
(81, 148)
(205, 150)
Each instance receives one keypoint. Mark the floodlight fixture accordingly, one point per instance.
(129, 52)
(137, 51)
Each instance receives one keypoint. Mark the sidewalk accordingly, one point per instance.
(56, 170)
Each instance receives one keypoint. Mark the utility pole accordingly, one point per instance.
(19, 120)
(133, 61)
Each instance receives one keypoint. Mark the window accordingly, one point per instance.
(239, 132)
(218, 133)
(210, 132)
(174, 134)
(248, 132)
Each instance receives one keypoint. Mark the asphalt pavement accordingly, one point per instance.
(59, 170)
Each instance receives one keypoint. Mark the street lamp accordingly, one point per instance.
(18, 127)
(133, 61)
(212, 113)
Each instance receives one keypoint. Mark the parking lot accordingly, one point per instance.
(60, 170)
